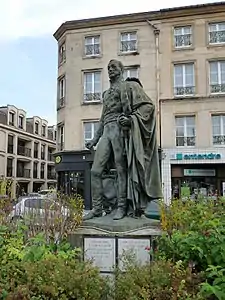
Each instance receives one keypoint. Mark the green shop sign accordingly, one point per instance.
(205, 156)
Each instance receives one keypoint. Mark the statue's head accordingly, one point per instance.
(115, 69)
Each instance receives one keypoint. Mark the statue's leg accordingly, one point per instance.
(121, 167)
(102, 155)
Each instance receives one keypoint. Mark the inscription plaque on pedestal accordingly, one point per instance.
(101, 251)
(135, 247)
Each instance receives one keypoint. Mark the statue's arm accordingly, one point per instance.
(100, 129)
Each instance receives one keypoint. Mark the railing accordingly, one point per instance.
(184, 91)
(24, 151)
(23, 173)
(89, 97)
(184, 40)
(217, 88)
(92, 49)
(217, 37)
(128, 46)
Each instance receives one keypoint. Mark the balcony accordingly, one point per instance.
(24, 151)
(23, 173)
(51, 175)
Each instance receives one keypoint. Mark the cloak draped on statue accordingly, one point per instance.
(144, 181)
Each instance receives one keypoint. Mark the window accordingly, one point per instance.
(128, 42)
(9, 167)
(42, 171)
(62, 53)
(185, 131)
(60, 137)
(92, 45)
(217, 77)
(10, 144)
(36, 127)
(35, 150)
(218, 129)
(43, 129)
(184, 79)
(130, 72)
(43, 152)
(92, 86)
(20, 122)
(89, 130)
(61, 92)
(35, 170)
(217, 33)
(11, 119)
(182, 37)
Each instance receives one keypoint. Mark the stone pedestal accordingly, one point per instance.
(105, 240)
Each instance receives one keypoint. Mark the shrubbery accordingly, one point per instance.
(189, 260)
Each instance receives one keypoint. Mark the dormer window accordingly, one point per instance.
(11, 118)
(20, 122)
(36, 127)
(43, 130)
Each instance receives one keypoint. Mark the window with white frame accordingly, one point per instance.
(218, 129)
(128, 42)
(182, 36)
(60, 133)
(92, 86)
(185, 131)
(92, 45)
(61, 91)
(62, 53)
(217, 76)
(217, 33)
(90, 129)
(130, 72)
(184, 79)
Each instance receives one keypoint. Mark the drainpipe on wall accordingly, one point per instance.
(157, 74)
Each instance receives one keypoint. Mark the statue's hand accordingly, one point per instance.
(124, 121)
(90, 144)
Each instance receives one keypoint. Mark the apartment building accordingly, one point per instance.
(27, 146)
(178, 55)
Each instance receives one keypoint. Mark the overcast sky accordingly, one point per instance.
(28, 51)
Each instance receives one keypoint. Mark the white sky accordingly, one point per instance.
(38, 17)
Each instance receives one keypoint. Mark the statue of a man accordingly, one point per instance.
(127, 132)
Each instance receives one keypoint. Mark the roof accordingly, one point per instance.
(140, 17)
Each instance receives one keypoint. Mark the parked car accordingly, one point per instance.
(37, 209)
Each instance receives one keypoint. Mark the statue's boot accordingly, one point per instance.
(120, 213)
(94, 213)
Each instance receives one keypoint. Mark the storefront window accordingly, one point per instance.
(71, 183)
(194, 187)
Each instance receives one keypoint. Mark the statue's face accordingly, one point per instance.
(114, 69)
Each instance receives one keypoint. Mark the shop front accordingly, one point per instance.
(73, 173)
(193, 173)
(73, 170)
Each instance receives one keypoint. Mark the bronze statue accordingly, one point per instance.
(127, 137)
